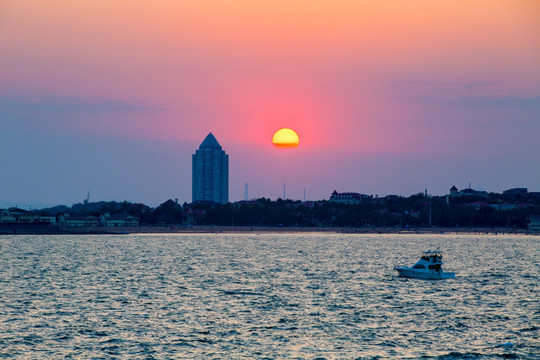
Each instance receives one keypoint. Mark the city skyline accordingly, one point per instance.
(387, 97)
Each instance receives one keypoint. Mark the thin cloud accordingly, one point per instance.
(531, 103)
(58, 105)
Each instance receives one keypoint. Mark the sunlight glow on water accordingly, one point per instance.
(297, 296)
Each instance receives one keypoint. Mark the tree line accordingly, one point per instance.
(417, 210)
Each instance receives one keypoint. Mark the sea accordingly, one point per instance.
(267, 296)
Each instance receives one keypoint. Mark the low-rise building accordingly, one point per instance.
(7, 218)
(467, 192)
(516, 192)
(347, 198)
(18, 216)
(80, 221)
(534, 223)
(45, 220)
(118, 220)
(106, 220)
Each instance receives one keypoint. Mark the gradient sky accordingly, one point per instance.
(388, 97)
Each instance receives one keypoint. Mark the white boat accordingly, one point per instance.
(429, 267)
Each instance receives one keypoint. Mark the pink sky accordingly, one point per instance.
(388, 97)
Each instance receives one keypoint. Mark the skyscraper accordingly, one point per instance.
(210, 172)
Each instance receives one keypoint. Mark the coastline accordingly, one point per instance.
(54, 230)
(330, 230)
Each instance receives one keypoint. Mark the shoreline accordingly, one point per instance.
(54, 230)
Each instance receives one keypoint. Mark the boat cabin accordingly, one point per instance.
(432, 256)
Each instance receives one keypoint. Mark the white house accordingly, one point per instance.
(120, 220)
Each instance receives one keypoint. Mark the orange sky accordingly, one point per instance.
(367, 77)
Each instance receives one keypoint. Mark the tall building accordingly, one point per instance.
(210, 172)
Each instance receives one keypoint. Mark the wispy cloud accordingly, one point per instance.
(63, 105)
(47, 115)
(530, 103)
(467, 94)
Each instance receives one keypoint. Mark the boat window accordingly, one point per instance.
(419, 266)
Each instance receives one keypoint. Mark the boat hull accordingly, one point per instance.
(426, 275)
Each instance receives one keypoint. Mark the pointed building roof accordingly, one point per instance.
(210, 142)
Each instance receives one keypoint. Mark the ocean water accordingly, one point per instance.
(268, 296)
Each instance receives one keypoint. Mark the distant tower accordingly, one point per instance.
(284, 192)
(87, 200)
(210, 172)
(246, 193)
(304, 194)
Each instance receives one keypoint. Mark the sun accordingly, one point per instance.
(285, 138)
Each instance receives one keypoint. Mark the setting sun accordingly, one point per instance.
(285, 138)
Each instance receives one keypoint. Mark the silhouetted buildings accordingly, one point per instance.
(19, 217)
(348, 197)
(210, 172)
(516, 192)
(467, 192)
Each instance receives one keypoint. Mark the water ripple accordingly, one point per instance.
(296, 296)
